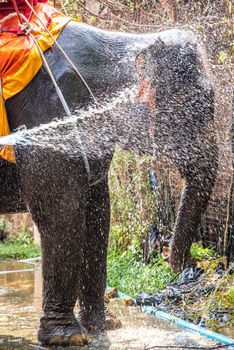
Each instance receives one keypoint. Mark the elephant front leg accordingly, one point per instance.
(186, 227)
(93, 314)
(194, 201)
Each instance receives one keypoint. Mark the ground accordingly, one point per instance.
(204, 295)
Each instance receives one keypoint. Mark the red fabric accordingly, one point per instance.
(22, 2)
(7, 7)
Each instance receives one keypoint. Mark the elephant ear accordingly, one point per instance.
(140, 58)
(140, 64)
(148, 56)
(156, 47)
(143, 68)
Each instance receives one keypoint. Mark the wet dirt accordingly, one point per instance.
(20, 310)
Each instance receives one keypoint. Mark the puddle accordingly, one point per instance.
(20, 310)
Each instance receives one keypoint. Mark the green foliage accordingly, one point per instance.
(133, 203)
(119, 238)
(22, 239)
(224, 298)
(72, 10)
(133, 206)
(230, 296)
(130, 275)
(19, 247)
(223, 56)
(78, 17)
(199, 252)
(3, 225)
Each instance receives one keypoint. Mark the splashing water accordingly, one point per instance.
(48, 135)
(20, 304)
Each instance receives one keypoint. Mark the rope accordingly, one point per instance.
(28, 28)
(57, 88)
(64, 104)
(17, 11)
(63, 52)
(5, 18)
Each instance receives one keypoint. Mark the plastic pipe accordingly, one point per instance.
(190, 326)
(30, 259)
(16, 271)
(185, 324)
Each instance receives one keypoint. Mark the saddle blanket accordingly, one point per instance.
(20, 59)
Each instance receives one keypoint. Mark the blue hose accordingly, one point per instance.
(185, 324)
(188, 325)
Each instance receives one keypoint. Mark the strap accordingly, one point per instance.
(63, 52)
(27, 27)
(64, 104)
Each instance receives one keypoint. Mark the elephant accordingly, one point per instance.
(68, 202)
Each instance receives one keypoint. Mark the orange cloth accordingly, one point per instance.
(19, 57)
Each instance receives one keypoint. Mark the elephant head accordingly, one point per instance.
(175, 84)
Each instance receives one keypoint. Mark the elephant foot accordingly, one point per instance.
(61, 331)
(99, 321)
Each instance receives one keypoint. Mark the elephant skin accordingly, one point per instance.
(71, 211)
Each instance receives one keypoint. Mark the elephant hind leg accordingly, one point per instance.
(61, 246)
(56, 195)
(60, 267)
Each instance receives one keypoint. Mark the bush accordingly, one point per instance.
(19, 247)
(199, 252)
(130, 275)
(133, 203)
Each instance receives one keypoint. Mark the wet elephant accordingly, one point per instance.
(183, 103)
(71, 208)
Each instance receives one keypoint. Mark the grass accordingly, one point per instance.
(132, 277)
(127, 272)
(200, 253)
(126, 269)
(19, 247)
